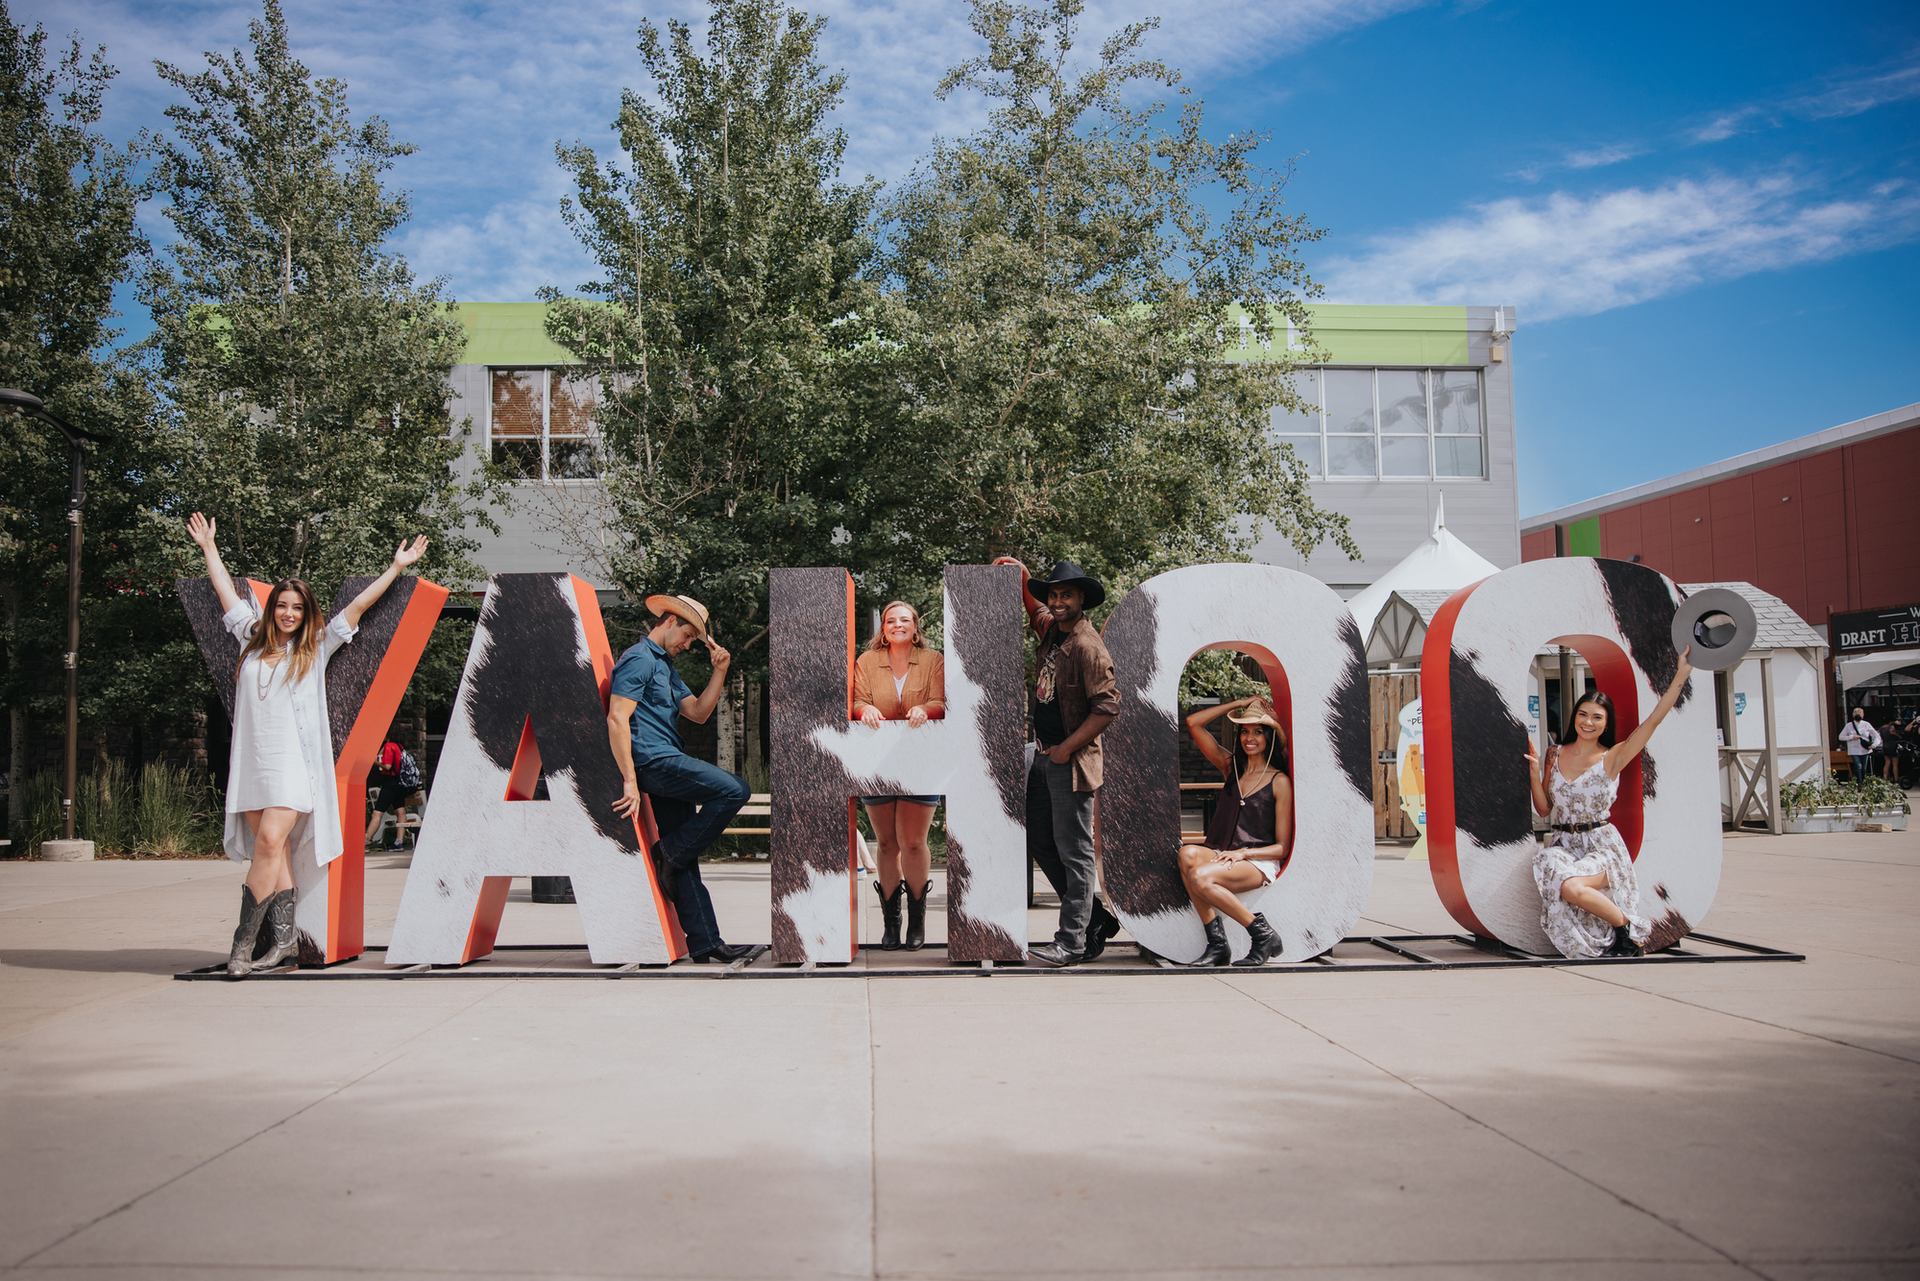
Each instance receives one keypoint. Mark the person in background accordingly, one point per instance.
(397, 775)
(1861, 738)
(897, 678)
(1074, 699)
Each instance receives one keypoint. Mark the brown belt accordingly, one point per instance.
(1576, 827)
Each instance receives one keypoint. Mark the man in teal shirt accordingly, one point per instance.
(692, 800)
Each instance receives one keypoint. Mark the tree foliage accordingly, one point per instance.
(304, 371)
(1064, 290)
(730, 322)
(67, 236)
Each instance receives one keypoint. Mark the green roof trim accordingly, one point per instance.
(1360, 335)
(515, 333)
(509, 333)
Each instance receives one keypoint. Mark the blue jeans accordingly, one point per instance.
(692, 804)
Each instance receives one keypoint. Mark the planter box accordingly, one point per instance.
(1832, 819)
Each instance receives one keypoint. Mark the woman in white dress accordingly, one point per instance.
(1589, 898)
(280, 789)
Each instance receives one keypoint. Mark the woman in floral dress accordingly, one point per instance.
(1589, 899)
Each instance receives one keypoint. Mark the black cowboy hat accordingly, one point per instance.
(1067, 574)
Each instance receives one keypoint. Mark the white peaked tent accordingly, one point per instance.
(1442, 563)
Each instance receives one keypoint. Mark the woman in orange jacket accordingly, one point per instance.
(897, 678)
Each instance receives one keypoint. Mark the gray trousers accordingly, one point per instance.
(1060, 842)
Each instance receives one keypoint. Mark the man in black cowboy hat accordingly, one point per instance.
(692, 800)
(1074, 698)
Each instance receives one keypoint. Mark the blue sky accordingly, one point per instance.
(1707, 216)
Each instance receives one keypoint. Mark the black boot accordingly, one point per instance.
(1217, 952)
(890, 915)
(253, 914)
(1623, 944)
(1101, 928)
(1266, 944)
(282, 942)
(917, 917)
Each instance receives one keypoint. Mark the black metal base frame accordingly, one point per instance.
(1404, 953)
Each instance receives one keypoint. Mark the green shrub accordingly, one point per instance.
(175, 814)
(170, 810)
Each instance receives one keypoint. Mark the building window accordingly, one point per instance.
(1386, 424)
(540, 424)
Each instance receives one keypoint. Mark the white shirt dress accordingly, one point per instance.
(283, 746)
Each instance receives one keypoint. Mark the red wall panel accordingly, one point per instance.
(1833, 531)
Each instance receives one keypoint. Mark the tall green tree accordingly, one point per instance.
(303, 370)
(729, 325)
(1066, 293)
(730, 321)
(67, 237)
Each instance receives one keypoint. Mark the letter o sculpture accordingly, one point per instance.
(1309, 648)
(1474, 674)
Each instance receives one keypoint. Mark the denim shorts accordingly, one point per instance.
(912, 800)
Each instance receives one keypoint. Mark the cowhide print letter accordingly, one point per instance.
(365, 682)
(822, 761)
(1475, 675)
(532, 705)
(1309, 649)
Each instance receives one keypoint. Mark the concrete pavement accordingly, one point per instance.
(1698, 1121)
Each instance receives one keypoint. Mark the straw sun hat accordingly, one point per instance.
(681, 607)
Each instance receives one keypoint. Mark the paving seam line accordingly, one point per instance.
(195, 1168)
(1495, 1130)
(1745, 1018)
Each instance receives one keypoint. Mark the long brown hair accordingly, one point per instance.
(879, 640)
(306, 642)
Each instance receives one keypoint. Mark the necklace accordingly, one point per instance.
(263, 674)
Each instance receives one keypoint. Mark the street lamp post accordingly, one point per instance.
(30, 406)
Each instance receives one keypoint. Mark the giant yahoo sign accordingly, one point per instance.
(532, 701)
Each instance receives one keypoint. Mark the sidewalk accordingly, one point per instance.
(1699, 1121)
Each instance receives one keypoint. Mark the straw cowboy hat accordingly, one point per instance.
(1258, 712)
(680, 606)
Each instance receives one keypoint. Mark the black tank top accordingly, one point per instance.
(1242, 822)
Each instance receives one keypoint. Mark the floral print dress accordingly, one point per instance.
(1586, 799)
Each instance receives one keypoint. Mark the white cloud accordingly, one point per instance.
(1575, 255)
(1579, 158)
(1839, 97)
(485, 89)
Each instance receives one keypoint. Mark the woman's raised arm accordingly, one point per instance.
(404, 557)
(1203, 738)
(201, 530)
(1621, 755)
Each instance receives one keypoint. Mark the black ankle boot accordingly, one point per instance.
(1217, 952)
(282, 942)
(1623, 944)
(1266, 943)
(917, 918)
(253, 915)
(890, 915)
(1101, 927)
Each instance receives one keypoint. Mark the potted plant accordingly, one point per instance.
(1832, 804)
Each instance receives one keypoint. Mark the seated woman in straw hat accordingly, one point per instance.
(1247, 842)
